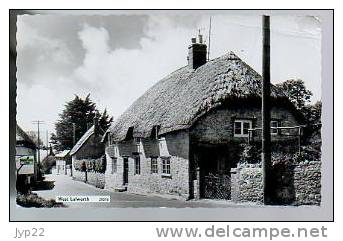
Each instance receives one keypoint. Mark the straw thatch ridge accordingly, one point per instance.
(178, 100)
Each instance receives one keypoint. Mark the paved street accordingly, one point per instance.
(65, 185)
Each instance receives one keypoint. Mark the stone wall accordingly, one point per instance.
(218, 125)
(114, 180)
(247, 184)
(177, 183)
(307, 183)
(174, 146)
(298, 184)
(93, 178)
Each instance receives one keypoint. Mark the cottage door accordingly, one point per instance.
(126, 171)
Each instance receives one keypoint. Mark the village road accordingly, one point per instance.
(65, 185)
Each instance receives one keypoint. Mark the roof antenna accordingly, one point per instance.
(209, 40)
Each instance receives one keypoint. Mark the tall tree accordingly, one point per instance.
(296, 91)
(105, 120)
(79, 113)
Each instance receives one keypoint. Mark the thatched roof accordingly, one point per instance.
(83, 139)
(23, 138)
(178, 100)
(62, 154)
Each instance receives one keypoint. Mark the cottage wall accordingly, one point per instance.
(174, 146)
(218, 125)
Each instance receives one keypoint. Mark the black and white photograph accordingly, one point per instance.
(168, 109)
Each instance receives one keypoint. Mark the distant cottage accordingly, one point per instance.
(89, 147)
(26, 158)
(63, 160)
(187, 128)
(88, 157)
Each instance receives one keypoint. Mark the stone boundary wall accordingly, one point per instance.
(93, 178)
(246, 184)
(307, 183)
(302, 185)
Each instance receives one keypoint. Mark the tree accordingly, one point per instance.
(296, 91)
(312, 114)
(105, 120)
(79, 112)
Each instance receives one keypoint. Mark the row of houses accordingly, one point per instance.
(183, 136)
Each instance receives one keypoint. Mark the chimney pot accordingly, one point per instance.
(200, 38)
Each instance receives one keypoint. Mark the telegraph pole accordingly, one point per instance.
(266, 156)
(38, 122)
(47, 143)
(209, 40)
(74, 139)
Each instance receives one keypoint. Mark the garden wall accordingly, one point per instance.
(94, 178)
(298, 184)
(307, 183)
(246, 184)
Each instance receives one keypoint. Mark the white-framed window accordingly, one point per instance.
(114, 165)
(166, 166)
(241, 128)
(154, 166)
(274, 131)
(137, 165)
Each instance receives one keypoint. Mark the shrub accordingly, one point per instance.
(96, 165)
(250, 154)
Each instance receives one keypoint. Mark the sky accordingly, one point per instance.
(116, 58)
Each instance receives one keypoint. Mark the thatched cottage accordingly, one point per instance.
(89, 146)
(88, 157)
(188, 127)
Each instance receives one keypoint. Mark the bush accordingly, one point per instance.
(250, 154)
(33, 200)
(96, 165)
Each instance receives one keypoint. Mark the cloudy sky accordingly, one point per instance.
(117, 58)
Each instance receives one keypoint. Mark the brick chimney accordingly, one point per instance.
(197, 53)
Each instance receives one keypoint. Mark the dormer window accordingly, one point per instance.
(241, 128)
(154, 132)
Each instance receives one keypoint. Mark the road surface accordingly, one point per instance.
(65, 185)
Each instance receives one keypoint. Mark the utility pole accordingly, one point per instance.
(209, 40)
(38, 122)
(74, 134)
(266, 156)
(47, 143)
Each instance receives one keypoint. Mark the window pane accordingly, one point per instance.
(137, 165)
(246, 127)
(238, 129)
(154, 165)
(274, 124)
(166, 166)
